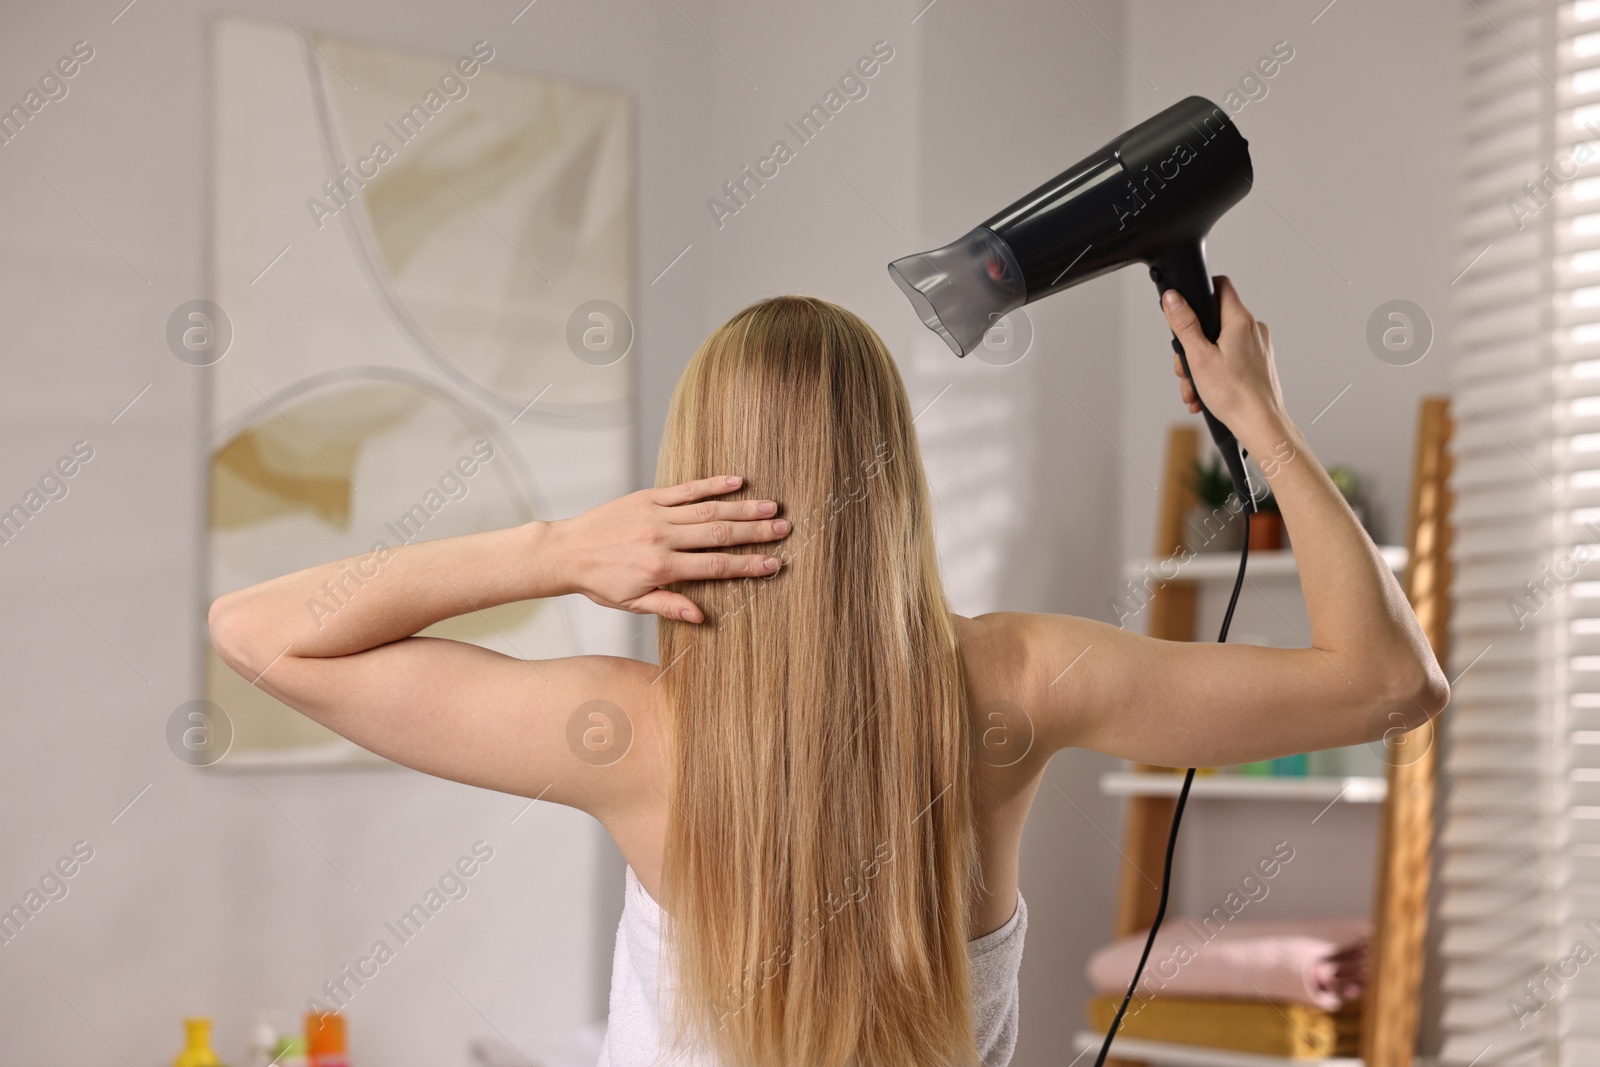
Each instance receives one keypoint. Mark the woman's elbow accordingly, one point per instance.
(1421, 681)
(1415, 693)
(228, 632)
(1434, 693)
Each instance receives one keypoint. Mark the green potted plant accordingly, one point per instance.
(1213, 524)
(1349, 486)
(1267, 531)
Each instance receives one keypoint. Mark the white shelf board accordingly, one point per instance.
(1353, 790)
(336, 755)
(1216, 566)
(1170, 1055)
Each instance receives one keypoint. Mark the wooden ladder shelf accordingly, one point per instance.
(1400, 910)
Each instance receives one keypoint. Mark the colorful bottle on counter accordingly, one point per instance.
(291, 1052)
(325, 1040)
(197, 1045)
(262, 1049)
(1291, 766)
(1325, 763)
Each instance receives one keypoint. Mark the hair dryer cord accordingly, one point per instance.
(1177, 815)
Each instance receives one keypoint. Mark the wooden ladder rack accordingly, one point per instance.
(1400, 911)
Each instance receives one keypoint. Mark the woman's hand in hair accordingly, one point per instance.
(623, 552)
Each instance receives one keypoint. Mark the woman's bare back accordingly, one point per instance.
(1006, 770)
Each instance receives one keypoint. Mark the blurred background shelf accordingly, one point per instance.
(1212, 566)
(1352, 789)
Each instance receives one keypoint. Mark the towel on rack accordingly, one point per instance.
(1319, 962)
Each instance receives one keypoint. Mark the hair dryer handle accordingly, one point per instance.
(1184, 268)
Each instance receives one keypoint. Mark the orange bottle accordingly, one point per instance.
(325, 1040)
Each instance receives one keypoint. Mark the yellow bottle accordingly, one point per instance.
(197, 1049)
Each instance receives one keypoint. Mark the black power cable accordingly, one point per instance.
(1177, 814)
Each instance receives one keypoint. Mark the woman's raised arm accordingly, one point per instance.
(1367, 670)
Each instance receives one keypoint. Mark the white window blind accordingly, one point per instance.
(1519, 885)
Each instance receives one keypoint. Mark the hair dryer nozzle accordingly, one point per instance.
(962, 289)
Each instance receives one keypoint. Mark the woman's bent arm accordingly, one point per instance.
(336, 641)
(361, 602)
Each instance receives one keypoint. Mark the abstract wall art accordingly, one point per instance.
(419, 326)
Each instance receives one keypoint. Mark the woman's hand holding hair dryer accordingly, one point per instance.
(1235, 374)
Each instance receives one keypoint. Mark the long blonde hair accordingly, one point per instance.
(820, 858)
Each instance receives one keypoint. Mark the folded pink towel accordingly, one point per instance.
(1320, 962)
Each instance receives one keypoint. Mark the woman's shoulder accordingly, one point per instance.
(999, 669)
(994, 655)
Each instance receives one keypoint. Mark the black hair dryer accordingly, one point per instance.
(1149, 196)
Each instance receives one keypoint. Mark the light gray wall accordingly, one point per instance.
(1025, 454)
(218, 894)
